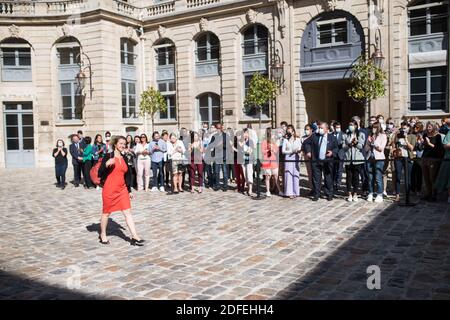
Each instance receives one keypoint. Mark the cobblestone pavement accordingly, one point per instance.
(215, 246)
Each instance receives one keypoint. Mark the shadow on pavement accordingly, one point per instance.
(410, 246)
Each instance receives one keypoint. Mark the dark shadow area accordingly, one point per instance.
(409, 245)
(113, 229)
(15, 287)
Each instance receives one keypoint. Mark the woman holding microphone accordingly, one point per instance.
(115, 176)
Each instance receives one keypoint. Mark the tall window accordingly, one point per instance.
(428, 17)
(209, 108)
(332, 32)
(128, 99)
(72, 100)
(165, 54)
(16, 60)
(428, 89)
(167, 89)
(255, 40)
(127, 52)
(255, 59)
(207, 47)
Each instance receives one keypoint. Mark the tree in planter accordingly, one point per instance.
(152, 102)
(261, 91)
(367, 82)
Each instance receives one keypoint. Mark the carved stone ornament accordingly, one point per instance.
(251, 16)
(329, 5)
(130, 32)
(14, 31)
(204, 24)
(66, 29)
(161, 31)
(281, 6)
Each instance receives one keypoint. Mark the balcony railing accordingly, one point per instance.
(43, 8)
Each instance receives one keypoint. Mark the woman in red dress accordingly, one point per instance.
(116, 178)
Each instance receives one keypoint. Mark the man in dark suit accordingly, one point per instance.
(77, 159)
(322, 149)
(338, 166)
(221, 149)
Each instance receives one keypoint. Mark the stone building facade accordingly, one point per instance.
(201, 54)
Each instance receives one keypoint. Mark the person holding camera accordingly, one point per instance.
(195, 150)
(87, 163)
(175, 152)
(269, 164)
(157, 148)
(99, 149)
(353, 144)
(60, 155)
(433, 152)
(376, 143)
(403, 146)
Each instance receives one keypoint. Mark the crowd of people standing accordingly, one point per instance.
(213, 157)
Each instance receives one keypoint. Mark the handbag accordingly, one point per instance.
(397, 153)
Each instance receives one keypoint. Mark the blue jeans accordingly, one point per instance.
(217, 169)
(376, 169)
(158, 167)
(399, 165)
(60, 172)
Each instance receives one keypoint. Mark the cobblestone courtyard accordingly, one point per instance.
(215, 246)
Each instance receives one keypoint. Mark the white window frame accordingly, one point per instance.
(427, 17)
(332, 22)
(128, 95)
(73, 95)
(428, 76)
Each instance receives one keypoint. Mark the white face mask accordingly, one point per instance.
(390, 126)
(381, 120)
(60, 144)
(321, 131)
(338, 130)
(307, 132)
(351, 128)
(383, 126)
(374, 131)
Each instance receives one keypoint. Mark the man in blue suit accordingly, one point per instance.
(338, 166)
(322, 149)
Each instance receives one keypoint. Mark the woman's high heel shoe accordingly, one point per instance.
(135, 242)
(103, 242)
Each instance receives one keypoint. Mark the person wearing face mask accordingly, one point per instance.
(338, 165)
(433, 151)
(445, 127)
(416, 171)
(305, 140)
(443, 180)
(388, 169)
(321, 149)
(372, 121)
(353, 144)
(403, 145)
(60, 155)
(291, 149)
(375, 146)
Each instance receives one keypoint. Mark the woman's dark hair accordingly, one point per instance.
(145, 136)
(293, 129)
(129, 136)
(377, 126)
(137, 137)
(355, 123)
(269, 133)
(96, 137)
(114, 140)
(64, 144)
(154, 133)
(88, 140)
(193, 133)
(107, 133)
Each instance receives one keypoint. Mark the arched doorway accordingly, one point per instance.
(331, 44)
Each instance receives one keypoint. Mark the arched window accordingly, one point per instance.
(255, 46)
(165, 77)
(207, 55)
(209, 108)
(428, 46)
(127, 55)
(207, 47)
(68, 52)
(16, 60)
(255, 39)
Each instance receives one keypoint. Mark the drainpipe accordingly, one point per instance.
(143, 75)
(448, 63)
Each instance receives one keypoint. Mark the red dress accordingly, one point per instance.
(115, 193)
